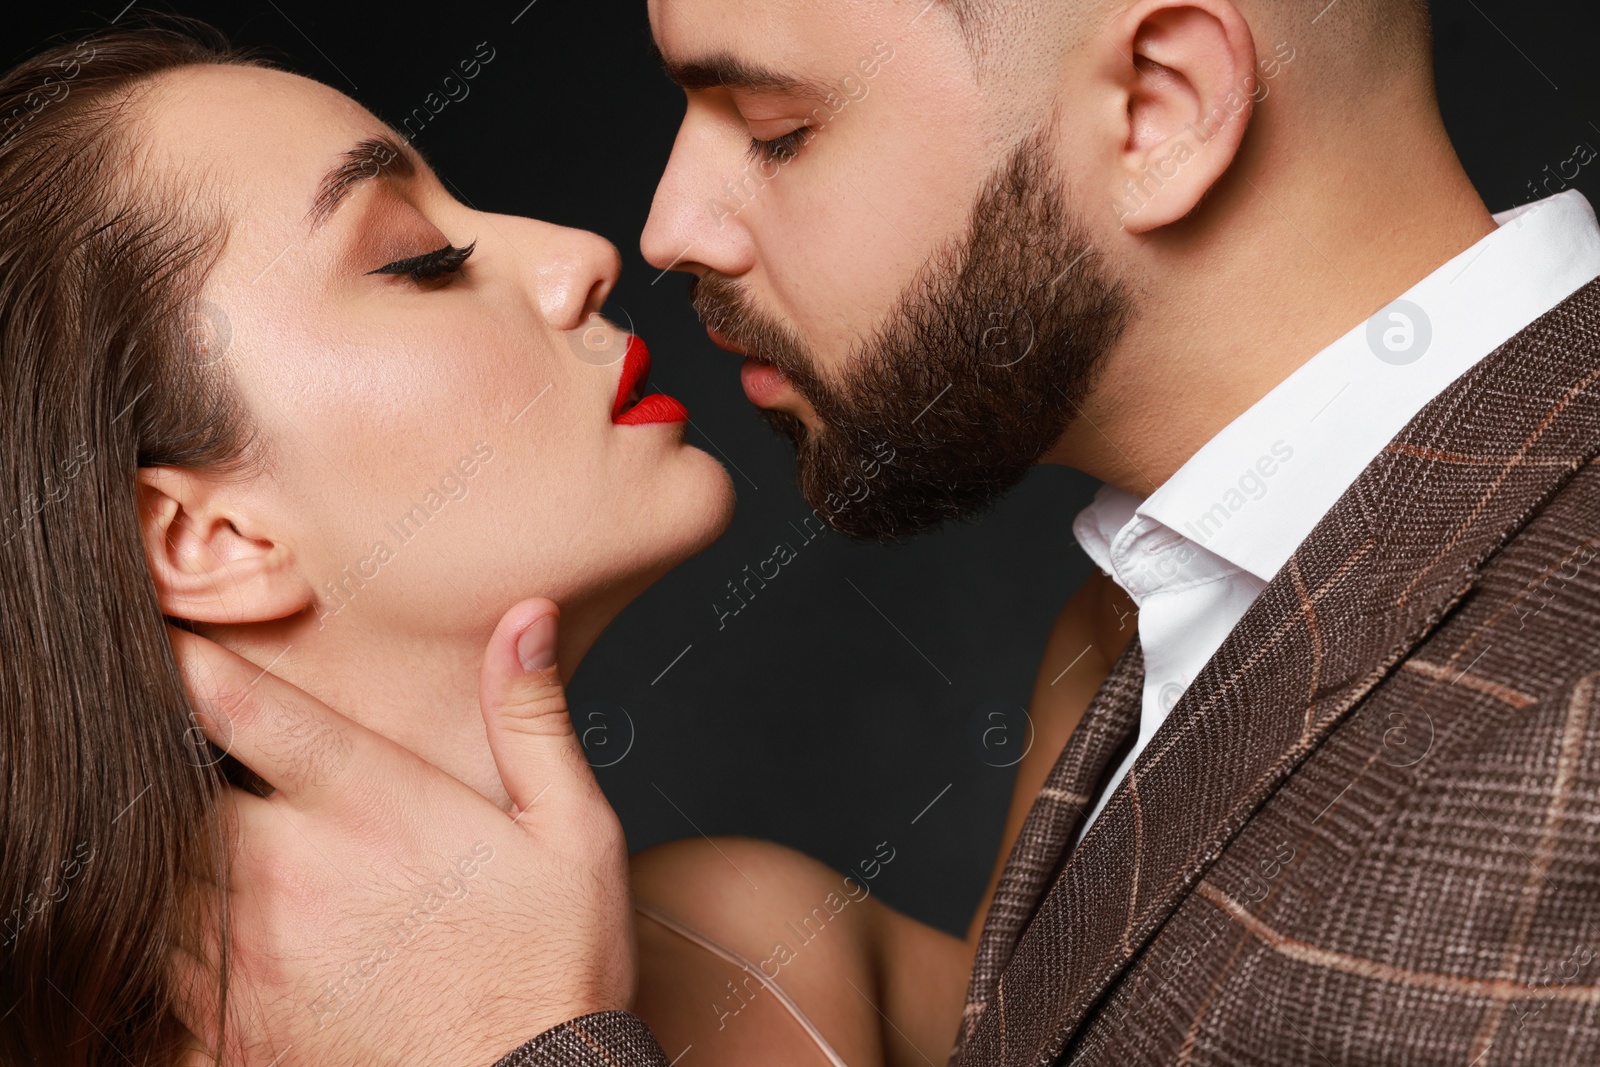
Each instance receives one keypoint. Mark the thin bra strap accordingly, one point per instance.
(739, 961)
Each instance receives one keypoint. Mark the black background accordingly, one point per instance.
(864, 683)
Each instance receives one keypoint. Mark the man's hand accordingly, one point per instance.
(383, 912)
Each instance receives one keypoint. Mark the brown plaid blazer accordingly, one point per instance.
(1369, 832)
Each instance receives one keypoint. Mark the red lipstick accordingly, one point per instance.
(632, 407)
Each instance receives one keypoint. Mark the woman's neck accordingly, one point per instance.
(418, 689)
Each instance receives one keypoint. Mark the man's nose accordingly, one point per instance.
(697, 222)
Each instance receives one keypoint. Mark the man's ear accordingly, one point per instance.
(1190, 91)
(209, 561)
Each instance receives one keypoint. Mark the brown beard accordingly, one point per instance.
(974, 376)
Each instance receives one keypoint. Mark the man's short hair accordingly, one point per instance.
(1373, 27)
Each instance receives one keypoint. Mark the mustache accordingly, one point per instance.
(724, 306)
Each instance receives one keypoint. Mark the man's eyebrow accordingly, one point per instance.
(722, 70)
(375, 157)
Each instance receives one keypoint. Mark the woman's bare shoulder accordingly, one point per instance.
(1099, 617)
(880, 987)
(705, 876)
(726, 920)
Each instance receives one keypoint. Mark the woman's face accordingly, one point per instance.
(440, 444)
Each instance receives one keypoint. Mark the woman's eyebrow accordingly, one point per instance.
(375, 157)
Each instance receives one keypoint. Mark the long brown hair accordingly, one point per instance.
(108, 796)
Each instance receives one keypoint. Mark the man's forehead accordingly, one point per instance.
(797, 40)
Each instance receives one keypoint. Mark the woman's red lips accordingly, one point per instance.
(632, 407)
(657, 407)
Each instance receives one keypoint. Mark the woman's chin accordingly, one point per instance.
(687, 514)
(696, 509)
(720, 500)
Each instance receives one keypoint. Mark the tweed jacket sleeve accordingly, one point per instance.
(604, 1039)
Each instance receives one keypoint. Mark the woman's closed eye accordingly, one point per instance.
(430, 266)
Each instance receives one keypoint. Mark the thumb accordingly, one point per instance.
(525, 710)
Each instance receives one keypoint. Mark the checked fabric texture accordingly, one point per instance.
(1369, 832)
(604, 1039)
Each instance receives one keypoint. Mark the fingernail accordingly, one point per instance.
(537, 645)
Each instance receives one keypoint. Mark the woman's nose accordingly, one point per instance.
(576, 273)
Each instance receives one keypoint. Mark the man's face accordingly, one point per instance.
(888, 240)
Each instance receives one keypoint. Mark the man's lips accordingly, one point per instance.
(723, 343)
(764, 384)
(632, 407)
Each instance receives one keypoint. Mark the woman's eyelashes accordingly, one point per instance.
(430, 266)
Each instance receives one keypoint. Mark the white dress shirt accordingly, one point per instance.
(1197, 552)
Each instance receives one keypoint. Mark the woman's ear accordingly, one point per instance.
(208, 561)
(1190, 90)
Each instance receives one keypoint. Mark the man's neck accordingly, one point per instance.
(1289, 254)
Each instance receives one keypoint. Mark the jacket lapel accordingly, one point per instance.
(1110, 721)
(1400, 548)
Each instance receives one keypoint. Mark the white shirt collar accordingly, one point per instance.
(1254, 492)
